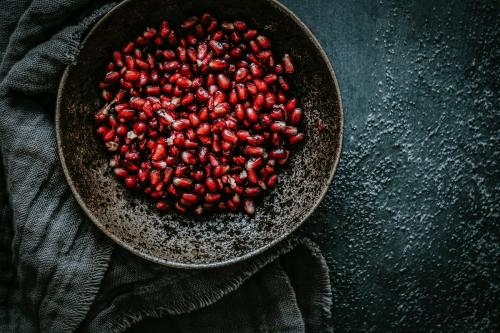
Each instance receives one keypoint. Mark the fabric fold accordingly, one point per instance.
(59, 273)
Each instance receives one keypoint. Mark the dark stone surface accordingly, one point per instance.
(410, 226)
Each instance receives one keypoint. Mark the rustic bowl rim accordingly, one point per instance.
(234, 260)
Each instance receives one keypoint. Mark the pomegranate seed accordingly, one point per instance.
(159, 152)
(296, 138)
(278, 126)
(162, 206)
(190, 22)
(182, 182)
(250, 34)
(251, 115)
(223, 81)
(154, 177)
(241, 74)
(254, 163)
(130, 182)
(229, 136)
(188, 157)
(216, 47)
(288, 65)
(263, 42)
(131, 75)
(253, 151)
(249, 206)
(217, 64)
(112, 76)
(203, 111)
(181, 124)
(296, 116)
(240, 25)
(212, 197)
(278, 153)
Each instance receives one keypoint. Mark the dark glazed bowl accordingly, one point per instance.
(130, 219)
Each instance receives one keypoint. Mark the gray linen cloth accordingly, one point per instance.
(58, 273)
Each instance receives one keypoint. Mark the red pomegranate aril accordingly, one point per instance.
(190, 22)
(254, 163)
(290, 131)
(222, 109)
(219, 97)
(139, 128)
(270, 78)
(253, 151)
(189, 197)
(181, 124)
(271, 182)
(130, 182)
(202, 95)
(131, 75)
(252, 176)
(235, 52)
(229, 136)
(211, 184)
(233, 97)
(241, 90)
(121, 172)
(241, 74)
(240, 25)
(117, 57)
(159, 152)
(216, 47)
(159, 164)
(163, 206)
(202, 50)
(255, 140)
(180, 208)
(243, 134)
(250, 34)
(154, 177)
(252, 88)
(223, 81)
(129, 62)
(142, 175)
(259, 101)
(252, 191)
(263, 42)
(251, 115)
(187, 99)
(188, 158)
(260, 85)
(109, 135)
(172, 127)
(183, 82)
(283, 84)
(288, 64)
(296, 138)
(296, 116)
(217, 64)
(278, 126)
(167, 175)
(278, 153)
(182, 182)
(188, 144)
(212, 197)
(112, 76)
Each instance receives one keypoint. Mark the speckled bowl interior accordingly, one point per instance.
(129, 218)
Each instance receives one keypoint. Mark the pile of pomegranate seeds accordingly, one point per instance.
(200, 120)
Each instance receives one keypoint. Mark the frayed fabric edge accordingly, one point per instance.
(127, 320)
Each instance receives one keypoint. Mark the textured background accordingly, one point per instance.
(410, 226)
